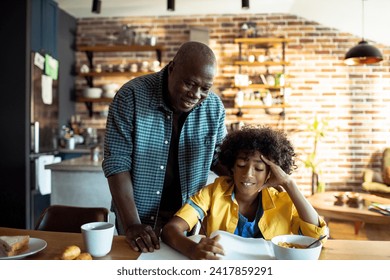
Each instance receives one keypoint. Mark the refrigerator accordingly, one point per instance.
(43, 135)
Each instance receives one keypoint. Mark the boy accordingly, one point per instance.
(247, 203)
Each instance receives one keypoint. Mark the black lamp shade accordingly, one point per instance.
(171, 5)
(363, 53)
(245, 4)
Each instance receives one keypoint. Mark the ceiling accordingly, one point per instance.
(345, 15)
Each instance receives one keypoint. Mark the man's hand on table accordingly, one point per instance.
(142, 238)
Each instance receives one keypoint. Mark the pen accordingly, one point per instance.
(202, 227)
(204, 231)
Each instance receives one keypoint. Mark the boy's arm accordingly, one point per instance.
(173, 234)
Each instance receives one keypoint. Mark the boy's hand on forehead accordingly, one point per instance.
(270, 163)
(277, 177)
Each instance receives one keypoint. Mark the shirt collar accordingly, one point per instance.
(228, 191)
(161, 90)
(268, 203)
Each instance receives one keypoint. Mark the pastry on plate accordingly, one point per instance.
(13, 245)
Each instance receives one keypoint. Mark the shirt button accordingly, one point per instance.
(166, 142)
(168, 117)
(152, 218)
(157, 192)
(162, 167)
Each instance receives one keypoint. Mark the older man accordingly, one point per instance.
(162, 133)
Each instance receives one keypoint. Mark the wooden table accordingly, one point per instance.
(332, 250)
(57, 241)
(324, 203)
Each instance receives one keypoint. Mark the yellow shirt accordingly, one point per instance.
(280, 215)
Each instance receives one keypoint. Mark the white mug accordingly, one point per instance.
(97, 238)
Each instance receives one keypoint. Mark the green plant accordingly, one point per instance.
(318, 129)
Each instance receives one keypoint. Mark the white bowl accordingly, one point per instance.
(284, 253)
(110, 87)
(109, 94)
(92, 92)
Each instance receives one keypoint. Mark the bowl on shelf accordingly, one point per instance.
(93, 92)
(293, 247)
(109, 90)
(109, 94)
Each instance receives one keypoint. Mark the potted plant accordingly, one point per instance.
(318, 129)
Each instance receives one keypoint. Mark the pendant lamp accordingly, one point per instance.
(96, 6)
(171, 5)
(363, 53)
(245, 4)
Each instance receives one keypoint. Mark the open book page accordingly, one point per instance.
(164, 253)
(242, 248)
(236, 248)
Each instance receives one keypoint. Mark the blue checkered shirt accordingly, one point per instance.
(138, 134)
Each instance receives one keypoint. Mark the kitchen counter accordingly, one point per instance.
(80, 182)
(78, 151)
(83, 163)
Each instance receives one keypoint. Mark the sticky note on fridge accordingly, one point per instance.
(51, 67)
(39, 61)
(47, 90)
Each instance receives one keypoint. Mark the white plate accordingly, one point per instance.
(35, 245)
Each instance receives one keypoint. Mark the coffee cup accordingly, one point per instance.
(98, 238)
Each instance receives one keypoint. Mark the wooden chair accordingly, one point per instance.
(64, 218)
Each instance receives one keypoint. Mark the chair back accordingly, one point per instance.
(386, 166)
(64, 218)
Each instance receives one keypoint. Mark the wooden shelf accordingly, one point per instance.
(262, 86)
(257, 104)
(265, 63)
(113, 74)
(234, 120)
(119, 48)
(267, 42)
(91, 49)
(93, 100)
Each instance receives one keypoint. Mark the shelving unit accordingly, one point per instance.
(265, 63)
(254, 47)
(113, 74)
(91, 50)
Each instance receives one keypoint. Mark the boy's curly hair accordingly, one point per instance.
(271, 143)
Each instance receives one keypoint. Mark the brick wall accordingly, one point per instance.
(355, 100)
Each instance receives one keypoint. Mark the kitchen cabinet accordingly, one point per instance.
(90, 75)
(262, 61)
(44, 22)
